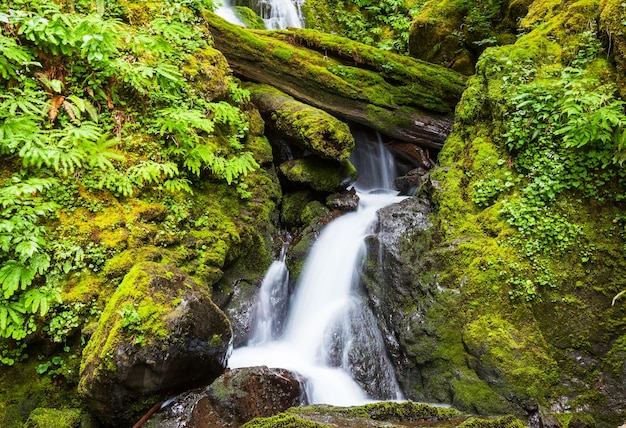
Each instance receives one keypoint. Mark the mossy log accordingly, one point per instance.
(311, 128)
(402, 97)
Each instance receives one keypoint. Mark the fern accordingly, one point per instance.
(150, 172)
(13, 57)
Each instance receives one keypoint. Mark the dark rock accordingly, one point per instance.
(409, 183)
(239, 309)
(159, 334)
(233, 399)
(541, 418)
(391, 280)
(345, 201)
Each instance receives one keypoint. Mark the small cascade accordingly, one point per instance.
(280, 14)
(330, 336)
(227, 12)
(271, 306)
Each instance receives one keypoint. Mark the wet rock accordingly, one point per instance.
(392, 279)
(345, 201)
(239, 309)
(159, 334)
(233, 399)
(409, 183)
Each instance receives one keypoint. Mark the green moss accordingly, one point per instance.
(45, 418)
(362, 416)
(249, 18)
(311, 128)
(282, 421)
(501, 422)
(320, 175)
(292, 207)
(153, 311)
(313, 211)
(576, 419)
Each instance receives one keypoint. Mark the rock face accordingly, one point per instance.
(160, 333)
(233, 399)
(391, 280)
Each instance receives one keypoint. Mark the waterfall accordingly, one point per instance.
(330, 335)
(280, 14)
(226, 11)
(271, 306)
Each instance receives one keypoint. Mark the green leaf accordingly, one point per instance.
(13, 276)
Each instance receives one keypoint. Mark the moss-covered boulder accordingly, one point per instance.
(318, 174)
(159, 333)
(311, 128)
(524, 258)
(237, 396)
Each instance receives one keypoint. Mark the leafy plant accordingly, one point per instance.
(131, 322)
(564, 130)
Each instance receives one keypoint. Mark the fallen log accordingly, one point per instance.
(404, 98)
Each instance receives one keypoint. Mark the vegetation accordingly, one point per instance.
(67, 76)
(383, 24)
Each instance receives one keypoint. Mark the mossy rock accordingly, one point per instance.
(311, 128)
(453, 33)
(159, 333)
(529, 329)
(381, 414)
(318, 174)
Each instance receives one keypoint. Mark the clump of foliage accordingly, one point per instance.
(78, 85)
(383, 24)
(565, 130)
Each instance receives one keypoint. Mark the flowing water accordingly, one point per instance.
(330, 335)
(227, 12)
(280, 14)
(276, 14)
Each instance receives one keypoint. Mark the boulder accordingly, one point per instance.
(159, 334)
(318, 174)
(233, 399)
(345, 201)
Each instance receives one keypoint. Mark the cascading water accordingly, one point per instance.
(330, 336)
(280, 14)
(226, 11)
(271, 305)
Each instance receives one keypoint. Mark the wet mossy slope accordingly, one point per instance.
(527, 250)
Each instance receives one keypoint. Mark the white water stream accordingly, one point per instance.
(280, 14)
(330, 336)
(227, 12)
(277, 14)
